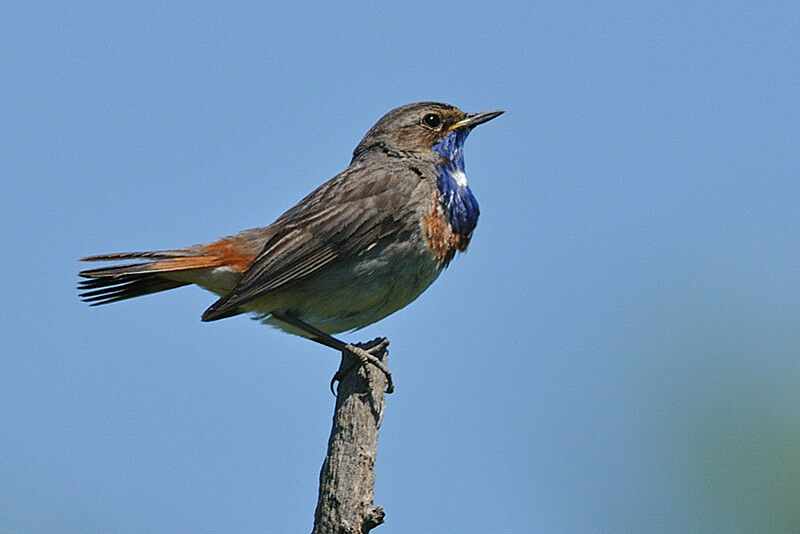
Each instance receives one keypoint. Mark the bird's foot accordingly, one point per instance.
(366, 353)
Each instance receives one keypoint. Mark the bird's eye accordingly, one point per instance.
(432, 121)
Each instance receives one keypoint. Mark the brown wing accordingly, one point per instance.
(340, 219)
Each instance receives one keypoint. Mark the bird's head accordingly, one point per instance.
(423, 127)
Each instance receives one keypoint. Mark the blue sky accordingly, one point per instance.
(619, 350)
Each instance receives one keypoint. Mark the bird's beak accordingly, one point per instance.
(474, 119)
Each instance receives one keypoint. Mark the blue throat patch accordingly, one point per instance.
(458, 203)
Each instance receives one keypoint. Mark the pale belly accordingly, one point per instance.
(346, 295)
(355, 294)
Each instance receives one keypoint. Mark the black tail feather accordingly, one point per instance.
(106, 290)
(152, 255)
(104, 285)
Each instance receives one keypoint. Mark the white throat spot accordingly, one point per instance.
(460, 178)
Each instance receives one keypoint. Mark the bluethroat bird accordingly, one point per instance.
(360, 247)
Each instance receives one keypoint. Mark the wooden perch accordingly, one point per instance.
(347, 479)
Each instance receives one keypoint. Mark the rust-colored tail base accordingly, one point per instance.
(112, 284)
(151, 274)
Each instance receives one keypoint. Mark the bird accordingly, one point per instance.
(361, 246)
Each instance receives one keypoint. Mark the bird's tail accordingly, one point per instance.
(156, 272)
(164, 269)
(121, 282)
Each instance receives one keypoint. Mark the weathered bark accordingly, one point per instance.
(347, 479)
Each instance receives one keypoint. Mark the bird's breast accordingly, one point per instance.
(456, 201)
(442, 240)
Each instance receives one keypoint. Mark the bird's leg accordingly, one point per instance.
(365, 353)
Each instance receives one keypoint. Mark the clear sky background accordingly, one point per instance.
(619, 350)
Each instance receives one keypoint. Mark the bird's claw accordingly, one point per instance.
(366, 353)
